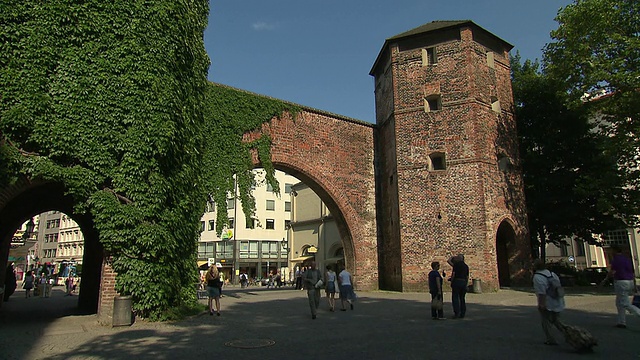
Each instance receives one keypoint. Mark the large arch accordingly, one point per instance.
(26, 199)
(334, 156)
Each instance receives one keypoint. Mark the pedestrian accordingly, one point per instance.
(330, 287)
(299, 273)
(345, 281)
(27, 283)
(243, 280)
(549, 306)
(459, 283)
(624, 284)
(10, 282)
(214, 286)
(69, 285)
(278, 279)
(435, 288)
(313, 282)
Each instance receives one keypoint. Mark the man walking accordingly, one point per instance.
(549, 306)
(624, 284)
(311, 278)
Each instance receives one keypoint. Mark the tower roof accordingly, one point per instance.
(435, 26)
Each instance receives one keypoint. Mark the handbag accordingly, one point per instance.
(319, 284)
(436, 304)
(636, 300)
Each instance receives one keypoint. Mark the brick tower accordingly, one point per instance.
(447, 167)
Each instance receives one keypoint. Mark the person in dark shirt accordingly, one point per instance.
(435, 288)
(459, 283)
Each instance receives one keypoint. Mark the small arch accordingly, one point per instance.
(505, 245)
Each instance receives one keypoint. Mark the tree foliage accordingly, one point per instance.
(573, 185)
(596, 51)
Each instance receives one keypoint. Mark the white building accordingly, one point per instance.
(250, 244)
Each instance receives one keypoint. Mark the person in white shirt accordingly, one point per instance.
(346, 289)
(548, 306)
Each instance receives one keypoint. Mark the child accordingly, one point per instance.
(435, 288)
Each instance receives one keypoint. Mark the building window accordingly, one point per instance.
(287, 206)
(563, 249)
(231, 203)
(271, 224)
(616, 237)
(429, 56)
(437, 161)
(250, 223)
(206, 250)
(212, 225)
(224, 249)
(231, 223)
(270, 249)
(211, 206)
(287, 224)
(432, 103)
(495, 104)
(287, 188)
(579, 246)
(271, 205)
(201, 226)
(269, 187)
(491, 59)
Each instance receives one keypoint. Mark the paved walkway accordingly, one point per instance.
(257, 323)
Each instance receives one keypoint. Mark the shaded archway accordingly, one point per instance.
(505, 242)
(26, 199)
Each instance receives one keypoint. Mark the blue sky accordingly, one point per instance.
(319, 53)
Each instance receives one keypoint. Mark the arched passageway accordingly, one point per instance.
(505, 243)
(26, 199)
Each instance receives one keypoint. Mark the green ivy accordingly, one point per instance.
(110, 98)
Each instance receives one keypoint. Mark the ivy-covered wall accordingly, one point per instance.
(111, 100)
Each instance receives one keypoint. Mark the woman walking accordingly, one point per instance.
(213, 288)
(330, 289)
(27, 284)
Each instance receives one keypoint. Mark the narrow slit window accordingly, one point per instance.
(495, 104)
(429, 56)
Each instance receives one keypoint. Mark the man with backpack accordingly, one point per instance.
(550, 299)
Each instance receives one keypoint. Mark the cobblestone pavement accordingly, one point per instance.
(257, 323)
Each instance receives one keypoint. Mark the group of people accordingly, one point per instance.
(315, 281)
(459, 282)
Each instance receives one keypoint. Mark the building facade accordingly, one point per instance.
(314, 235)
(255, 245)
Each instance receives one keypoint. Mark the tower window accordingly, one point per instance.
(495, 104)
(437, 161)
(432, 103)
(490, 60)
(429, 56)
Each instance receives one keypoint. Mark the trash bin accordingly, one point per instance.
(122, 314)
(477, 286)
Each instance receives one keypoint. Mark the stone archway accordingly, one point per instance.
(505, 243)
(26, 199)
(334, 156)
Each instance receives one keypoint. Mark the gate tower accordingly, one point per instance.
(447, 170)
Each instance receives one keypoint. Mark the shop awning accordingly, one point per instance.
(302, 258)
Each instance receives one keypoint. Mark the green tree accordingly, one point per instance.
(572, 184)
(596, 51)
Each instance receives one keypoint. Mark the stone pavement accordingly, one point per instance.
(257, 323)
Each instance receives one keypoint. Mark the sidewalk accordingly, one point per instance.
(257, 323)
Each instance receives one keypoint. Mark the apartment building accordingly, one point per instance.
(255, 244)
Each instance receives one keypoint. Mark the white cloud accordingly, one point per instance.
(263, 26)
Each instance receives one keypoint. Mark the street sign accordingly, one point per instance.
(211, 261)
(571, 259)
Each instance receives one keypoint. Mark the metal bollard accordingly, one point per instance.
(122, 314)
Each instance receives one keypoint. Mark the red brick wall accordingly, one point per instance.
(334, 156)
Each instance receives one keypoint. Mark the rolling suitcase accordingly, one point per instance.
(579, 338)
